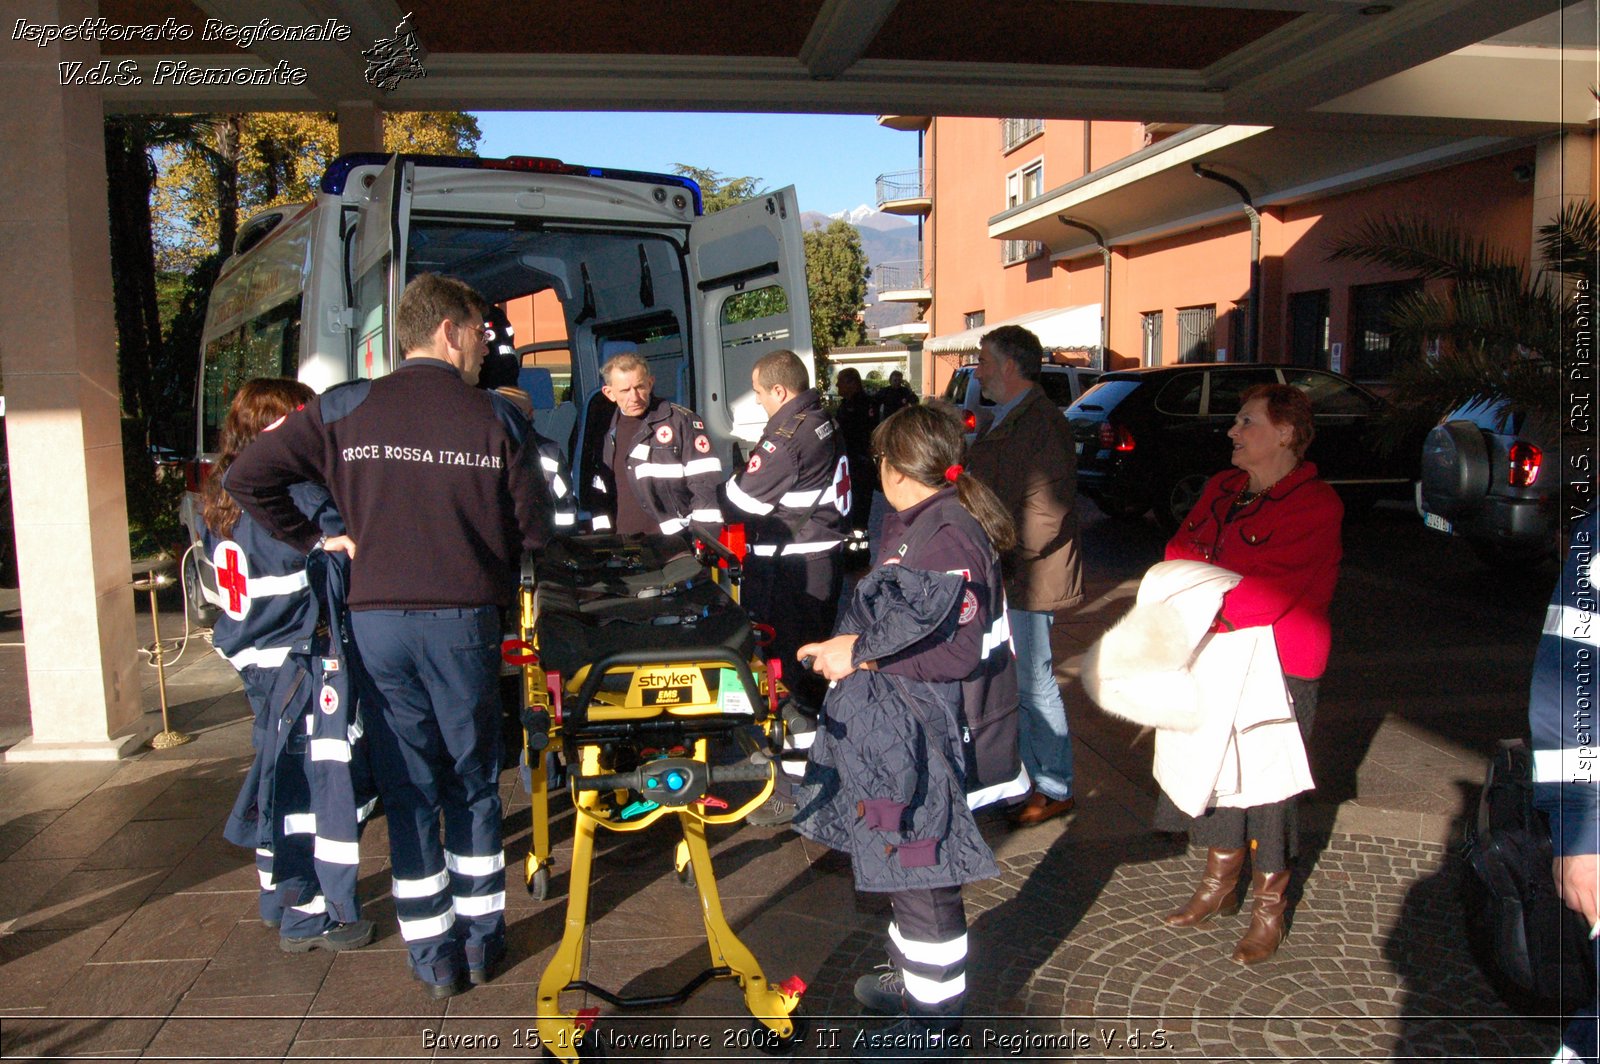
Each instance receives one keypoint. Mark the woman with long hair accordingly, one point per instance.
(269, 602)
(920, 724)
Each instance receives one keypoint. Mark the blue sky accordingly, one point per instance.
(832, 160)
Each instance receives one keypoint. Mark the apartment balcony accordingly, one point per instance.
(908, 333)
(1015, 251)
(906, 192)
(906, 123)
(1015, 132)
(902, 282)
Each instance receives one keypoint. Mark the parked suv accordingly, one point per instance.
(1149, 438)
(1489, 475)
(1063, 384)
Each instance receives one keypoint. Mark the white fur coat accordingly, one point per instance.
(1225, 728)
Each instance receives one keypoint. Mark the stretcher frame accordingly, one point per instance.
(575, 717)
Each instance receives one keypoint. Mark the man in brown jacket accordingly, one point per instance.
(1027, 458)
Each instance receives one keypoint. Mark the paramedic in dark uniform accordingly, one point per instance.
(440, 502)
(658, 471)
(499, 377)
(793, 496)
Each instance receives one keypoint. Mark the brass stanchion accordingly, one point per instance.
(153, 581)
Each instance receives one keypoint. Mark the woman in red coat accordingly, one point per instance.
(1275, 524)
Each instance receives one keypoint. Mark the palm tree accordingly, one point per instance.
(1501, 330)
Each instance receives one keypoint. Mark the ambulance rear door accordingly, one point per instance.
(377, 267)
(748, 271)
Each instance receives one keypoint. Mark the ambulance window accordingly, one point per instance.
(267, 345)
(754, 324)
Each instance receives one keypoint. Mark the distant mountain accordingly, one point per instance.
(885, 238)
(862, 217)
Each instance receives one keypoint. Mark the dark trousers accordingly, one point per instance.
(436, 749)
(798, 595)
(291, 891)
(1273, 830)
(928, 943)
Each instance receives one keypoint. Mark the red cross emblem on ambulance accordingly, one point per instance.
(233, 579)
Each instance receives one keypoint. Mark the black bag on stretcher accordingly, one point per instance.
(1534, 949)
(602, 595)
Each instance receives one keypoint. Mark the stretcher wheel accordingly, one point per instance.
(769, 1042)
(685, 874)
(539, 885)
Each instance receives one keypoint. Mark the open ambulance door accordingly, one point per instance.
(748, 268)
(377, 268)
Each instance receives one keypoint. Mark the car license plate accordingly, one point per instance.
(667, 686)
(1436, 522)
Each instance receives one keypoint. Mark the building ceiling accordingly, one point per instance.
(1281, 62)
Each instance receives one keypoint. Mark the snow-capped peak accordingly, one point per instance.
(856, 215)
(870, 218)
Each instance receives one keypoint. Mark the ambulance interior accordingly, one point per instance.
(576, 295)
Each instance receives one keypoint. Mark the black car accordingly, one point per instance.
(1148, 439)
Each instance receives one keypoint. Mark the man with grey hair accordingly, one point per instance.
(658, 469)
(1026, 457)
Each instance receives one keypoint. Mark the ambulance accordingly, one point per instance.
(625, 259)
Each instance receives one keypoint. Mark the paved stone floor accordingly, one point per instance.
(127, 923)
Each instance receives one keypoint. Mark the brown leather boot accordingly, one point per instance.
(1217, 892)
(1269, 896)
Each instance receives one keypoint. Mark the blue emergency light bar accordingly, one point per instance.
(333, 181)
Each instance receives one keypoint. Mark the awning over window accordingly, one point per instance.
(1061, 329)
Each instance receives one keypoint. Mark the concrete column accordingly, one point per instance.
(1563, 173)
(62, 403)
(360, 126)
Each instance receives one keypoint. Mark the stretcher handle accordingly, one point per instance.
(743, 772)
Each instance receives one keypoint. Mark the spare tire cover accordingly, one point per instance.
(1455, 469)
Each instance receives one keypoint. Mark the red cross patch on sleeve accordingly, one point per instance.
(969, 607)
(755, 464)
(702, 445)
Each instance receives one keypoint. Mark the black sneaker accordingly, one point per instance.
(440, 991)
(339, 937)
(882, 990)
(479, 974)
(774, 812)
(909, 1038)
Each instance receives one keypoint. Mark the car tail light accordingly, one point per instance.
(195, 473)
(1525, 460)
(969, 421)
(1115, 437)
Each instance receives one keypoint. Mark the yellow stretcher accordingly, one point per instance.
(632, 734)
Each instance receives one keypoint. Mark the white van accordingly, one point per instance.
(310, 290)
